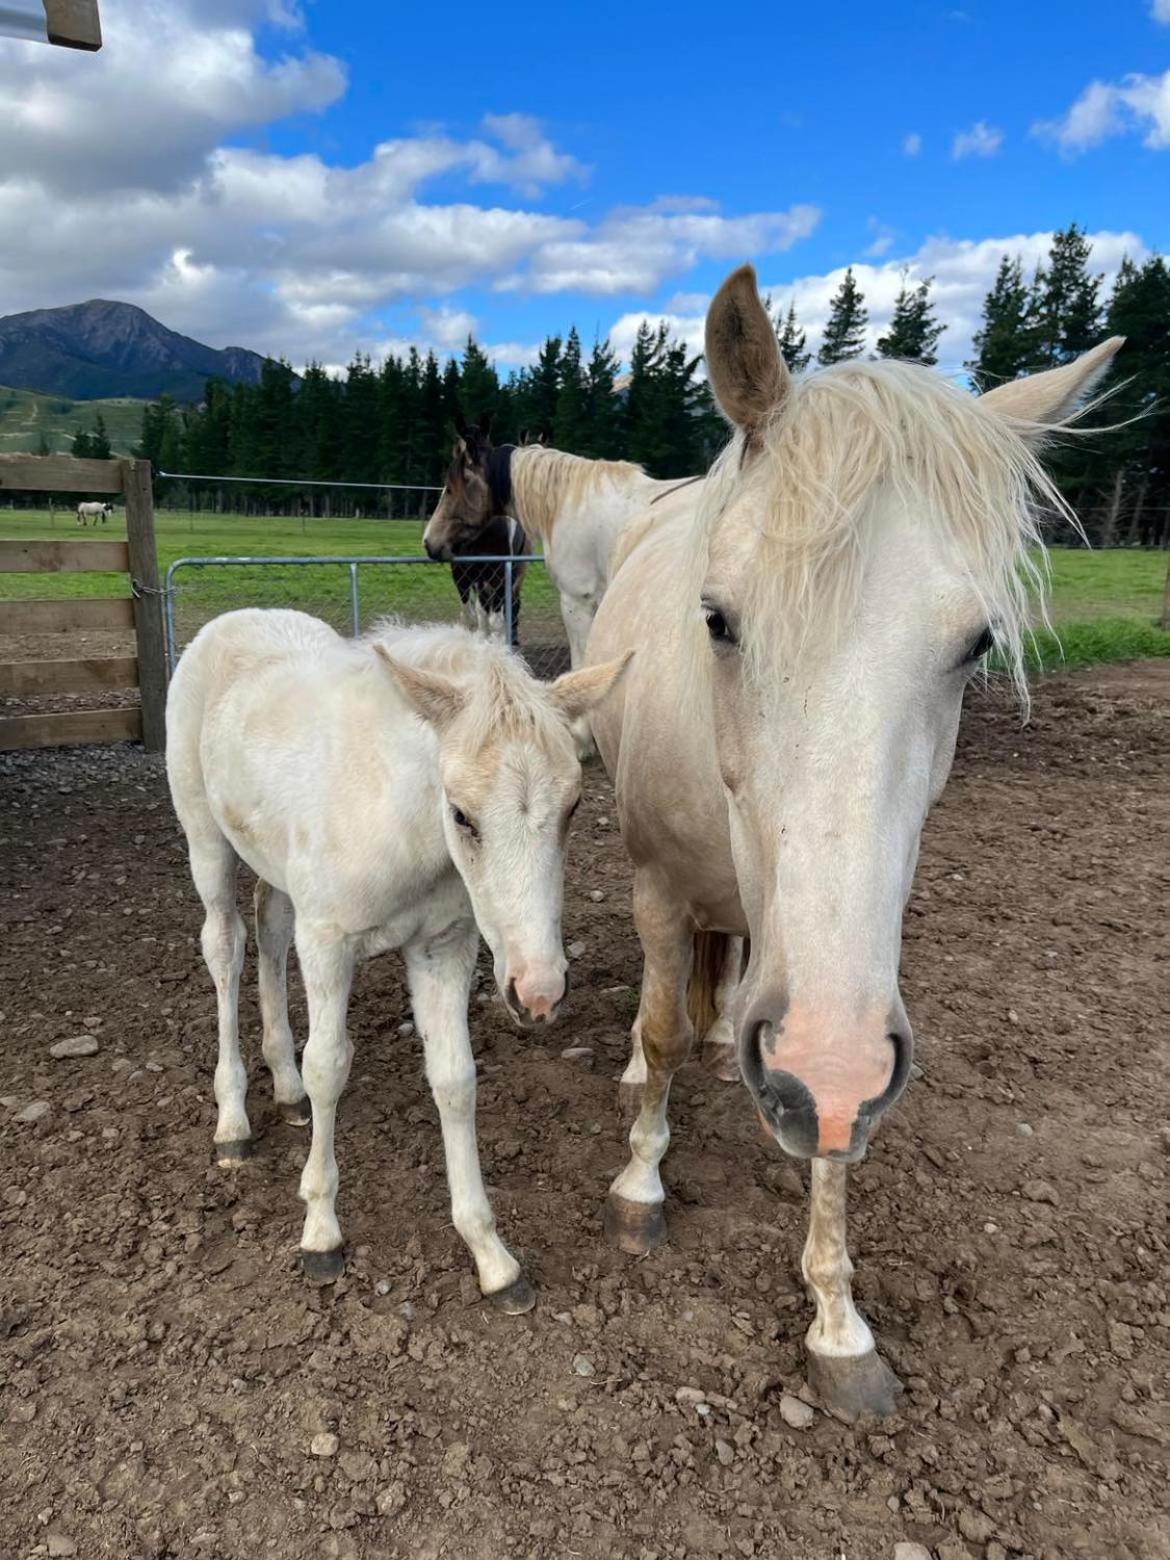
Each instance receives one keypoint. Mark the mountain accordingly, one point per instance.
(88, 351)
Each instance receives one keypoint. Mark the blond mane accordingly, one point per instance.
(505, 699)
(545, 482)
(842, 434)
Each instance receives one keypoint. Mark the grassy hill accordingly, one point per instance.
(26, 414)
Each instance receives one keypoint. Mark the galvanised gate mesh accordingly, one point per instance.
(352, 591)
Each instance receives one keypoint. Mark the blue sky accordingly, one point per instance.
(311, 179)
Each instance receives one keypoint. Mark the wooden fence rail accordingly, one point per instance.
(141, 610)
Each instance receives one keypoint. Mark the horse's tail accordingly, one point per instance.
(707, 965)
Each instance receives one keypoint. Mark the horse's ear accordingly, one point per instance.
(1049, 398)
(432, 696)
(485, 425)
(460, 422)
(576, 693)
(747, 373)
(523, 439)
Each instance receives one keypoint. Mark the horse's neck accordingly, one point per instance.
(551, 488)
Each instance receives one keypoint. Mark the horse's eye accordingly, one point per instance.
(980, 648)
(717, 626)
(462, 821)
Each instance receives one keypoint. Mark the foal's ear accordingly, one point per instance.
(431, 695)
(749, 377)
(1054, 395)
(576, 693)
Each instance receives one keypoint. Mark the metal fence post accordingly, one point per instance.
(354, 601)
(508, 602)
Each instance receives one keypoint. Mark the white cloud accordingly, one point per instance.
(962, 271)
(883, 239)
(1135, 104)
(1160, 11)
(912, 145)
(141, 173)
(982, 140)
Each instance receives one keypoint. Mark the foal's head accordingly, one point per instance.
(868, 539)
(511, 782)
(466, 504)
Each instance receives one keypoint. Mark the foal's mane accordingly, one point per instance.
(840, 435)
(504, 698)
(544, 481)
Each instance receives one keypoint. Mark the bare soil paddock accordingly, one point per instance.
(164, 1371)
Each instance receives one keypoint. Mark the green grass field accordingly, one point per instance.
(26, 414)
(1104, 605)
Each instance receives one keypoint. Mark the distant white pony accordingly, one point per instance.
(95, 512)
(391, 792)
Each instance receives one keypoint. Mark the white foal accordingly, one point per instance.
(393, 792)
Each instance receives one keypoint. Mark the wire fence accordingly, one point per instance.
(352, 591)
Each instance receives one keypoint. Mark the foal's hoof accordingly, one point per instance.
(323, 1267)
(298, 1113)
(518, 1298)
(633, 1226)
(232, 1154)
(721, 1061)
(849, 1387)
(630, 1101)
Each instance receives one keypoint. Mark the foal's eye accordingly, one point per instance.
(717, 626)
(462, 821)
(980, 648)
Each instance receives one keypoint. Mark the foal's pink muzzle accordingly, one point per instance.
(533, 993)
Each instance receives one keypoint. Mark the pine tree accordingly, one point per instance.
(82, 446)
(479, 385)
(791, 341)
(1138, 443)
(1004, 343)
(42, 447)
(99, 444)
(604, 435)
(1066, 303)
(914, 331)
(844, 335)
(542, 388)
(644, 439)
(570, 424)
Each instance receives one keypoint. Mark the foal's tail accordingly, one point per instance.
(707, 965)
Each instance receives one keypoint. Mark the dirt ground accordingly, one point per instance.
(164, 1371)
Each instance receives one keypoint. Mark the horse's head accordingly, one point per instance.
(869, 537)
(465, 505)
(511, 783)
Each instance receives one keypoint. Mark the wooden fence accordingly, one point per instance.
(141, 611)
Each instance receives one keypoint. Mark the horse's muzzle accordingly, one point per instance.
(437, 552)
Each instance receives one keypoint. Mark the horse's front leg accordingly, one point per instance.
(440, 974)
(327, 960)
(633, 1215)
(844, 1367)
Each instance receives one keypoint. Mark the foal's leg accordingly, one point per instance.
(326, 959)
(633, 1080)
(440, 975)
(213, 869)
(719, 1053)
(274, 930)
(633, 1215)
(844, 1367)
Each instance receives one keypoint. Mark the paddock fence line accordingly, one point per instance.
(54, 700)
(352, 591)
(299, 498)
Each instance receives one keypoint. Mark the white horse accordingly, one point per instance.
(390, 792)
(804, 638)
(583, 512)
(93, 511)
(576, 508)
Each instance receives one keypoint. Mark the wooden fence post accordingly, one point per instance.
(148, 604)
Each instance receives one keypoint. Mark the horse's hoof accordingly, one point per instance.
(630, 1101)
(722, 1062)
(230, 1155)
(323, 1267)
(851, 1386)
(298, 1113)
(518, 1298)
(633, 1226)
